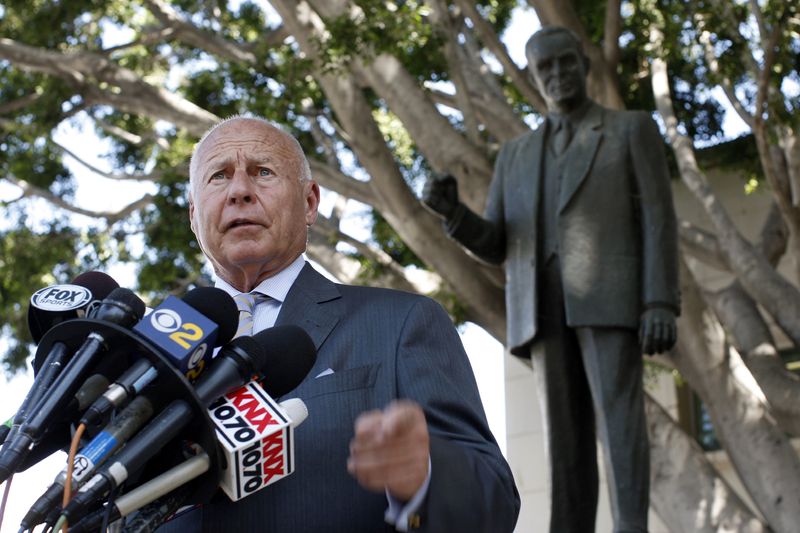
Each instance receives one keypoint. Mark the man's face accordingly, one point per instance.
(248, 208)
(559, 72)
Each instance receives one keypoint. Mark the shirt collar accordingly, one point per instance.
(276, 286)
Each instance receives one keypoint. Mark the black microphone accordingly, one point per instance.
(131, 382)
(235, 365)
(149, 504)
(54, 304)
(57, 435)
(290, 355)
(218, 306)
(161, 328)
(282, 355)
(48, 307)
(122, 307)
(91, 456)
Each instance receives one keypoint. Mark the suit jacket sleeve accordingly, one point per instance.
(484, 236)
(471, 486)
(659, 224)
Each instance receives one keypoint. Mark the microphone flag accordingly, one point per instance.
(257, 438)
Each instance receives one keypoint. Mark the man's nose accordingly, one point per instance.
(241, 188)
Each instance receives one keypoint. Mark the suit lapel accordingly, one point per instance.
(581, 155)
(533, 152)
(313, 303)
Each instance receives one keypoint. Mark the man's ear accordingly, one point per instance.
(191, 214)
(312, 201)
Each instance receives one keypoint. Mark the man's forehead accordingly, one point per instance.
(253, 139)
(553, 44)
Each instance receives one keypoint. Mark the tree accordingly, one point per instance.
(381, 94)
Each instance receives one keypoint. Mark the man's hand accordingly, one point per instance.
(390, 450)
(440, 195)
(657, 331)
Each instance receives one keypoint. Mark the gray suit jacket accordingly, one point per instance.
(617, 230)
(381, 345)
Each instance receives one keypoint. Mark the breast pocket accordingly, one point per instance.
(349, 379)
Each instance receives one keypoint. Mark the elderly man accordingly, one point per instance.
(396, 436)
(580, 211)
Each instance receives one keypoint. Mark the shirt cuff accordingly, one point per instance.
(401, 516)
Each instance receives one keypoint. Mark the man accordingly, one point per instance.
(580, 211)
(396, 432)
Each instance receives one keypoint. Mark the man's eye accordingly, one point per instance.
(217, 176)
(264, 172)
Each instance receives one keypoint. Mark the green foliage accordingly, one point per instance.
(281, 85)
(398, 28)
(28, 261)
(52, 24)
(171, 256)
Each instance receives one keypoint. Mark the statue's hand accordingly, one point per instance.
(657, 330)
(440, 195)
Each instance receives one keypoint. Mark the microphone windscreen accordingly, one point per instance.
(122, 307)
(289, 354)
(99, 285)
(217, 306)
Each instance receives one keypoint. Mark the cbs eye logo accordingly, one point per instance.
(170, 322)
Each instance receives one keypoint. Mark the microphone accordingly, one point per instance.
(50, 306)
(54, 304)
(121, 307)
(147, 493)
(187, 330)
(92, 456)
(131, 458)
(56, 437)
(174, 478)
(236, 363)
(130, 383)
(283, 354)
(214, 304)
(257, 438)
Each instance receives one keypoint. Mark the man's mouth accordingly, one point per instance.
(241, 222)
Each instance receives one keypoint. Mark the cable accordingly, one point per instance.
(73, 451)
(62, 523)
(107, 514)
(5, 499)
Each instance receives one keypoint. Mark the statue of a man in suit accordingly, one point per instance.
(580, 211)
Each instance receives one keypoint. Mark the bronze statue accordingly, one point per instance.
(580, 211)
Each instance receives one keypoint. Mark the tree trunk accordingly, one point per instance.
(685, 490)
(758, 449)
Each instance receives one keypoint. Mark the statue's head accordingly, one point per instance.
(559, 67)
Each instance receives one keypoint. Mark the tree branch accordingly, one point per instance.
(153, 176)
(29, 190)
(712, 62)
(104, 82)
(758, 277)
(198, 37)
(137, 140)
(335, 180)
(612, 31)
(491, 41)
(21, 103)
